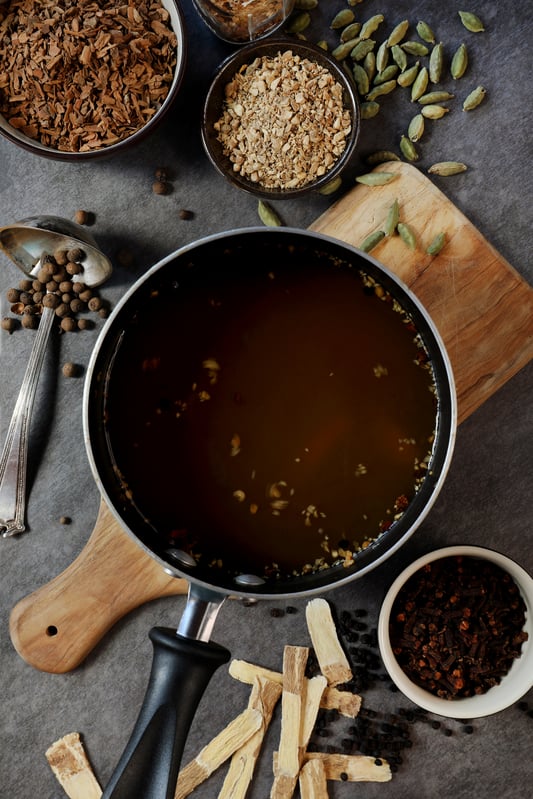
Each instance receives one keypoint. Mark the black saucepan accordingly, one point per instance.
(268, 412)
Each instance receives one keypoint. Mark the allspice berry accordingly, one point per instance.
(160, 187)
(30, 321)
(68, 324)
(71, 369)
(9, 324)
(75, 254)
(95, 303)
(72, 268)
(13, 295)
(81, 217)
(185, 214)
(50, 300)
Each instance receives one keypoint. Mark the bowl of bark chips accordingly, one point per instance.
(280, 119)
(86, 78)
(455, 632)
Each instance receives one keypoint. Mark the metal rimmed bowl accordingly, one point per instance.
(512, 686)
(36, 146)
(215, 104)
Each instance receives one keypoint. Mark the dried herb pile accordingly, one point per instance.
(457, 626)
(78, 76)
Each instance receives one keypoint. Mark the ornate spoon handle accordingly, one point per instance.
(13, 463)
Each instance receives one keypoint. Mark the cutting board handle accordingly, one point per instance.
(54, 628)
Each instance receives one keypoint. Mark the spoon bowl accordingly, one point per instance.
(26, 242)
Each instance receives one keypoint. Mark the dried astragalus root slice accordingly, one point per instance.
(329, 652)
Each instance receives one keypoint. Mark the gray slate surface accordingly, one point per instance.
(486, 499)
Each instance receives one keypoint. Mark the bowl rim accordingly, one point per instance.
(516, 682)
(37, 148)
(225, 71)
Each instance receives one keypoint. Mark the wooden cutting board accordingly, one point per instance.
(484, 312)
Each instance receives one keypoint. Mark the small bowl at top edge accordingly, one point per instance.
(38, 148)
(214, 105)
(517, 681)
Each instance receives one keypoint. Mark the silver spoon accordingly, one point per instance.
(26, 243)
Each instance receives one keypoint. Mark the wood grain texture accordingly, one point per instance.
(481, 306)
(55, 627)
(483, 310)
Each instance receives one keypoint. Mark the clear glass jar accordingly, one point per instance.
(242, 21)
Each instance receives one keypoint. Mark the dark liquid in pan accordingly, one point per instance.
(271, 421)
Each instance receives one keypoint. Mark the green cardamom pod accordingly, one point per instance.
(434, 111)
(445, 168)
(305, 5)
(362, 49)
(393, 217)
(420, 84)
(388, 73)
(383, 88)
(372, 240)
(343, 18)
(369, 64)
(407, 235)
(436, 62)
(474, 98)
(369, 110)
(350, 31)
(408, 77)
(267, 215)
(399, 57)
(381, 157)
(435, 97)
(331, 187)
(376, 178)
(299, 22)
(459, 62)
(382, 56)
(323, 45)
(397, 33)
(425, 32)
(344, 49)
(361, 79)
(371, 25)
(437, 244)
(415, 131)
(471, 21)
(415, 48)
(408, 149)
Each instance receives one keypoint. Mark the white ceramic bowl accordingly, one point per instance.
(516, 682)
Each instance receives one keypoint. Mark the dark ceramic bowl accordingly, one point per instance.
(215, 103)
(35, 146)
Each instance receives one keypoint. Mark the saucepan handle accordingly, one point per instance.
(181, 670)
